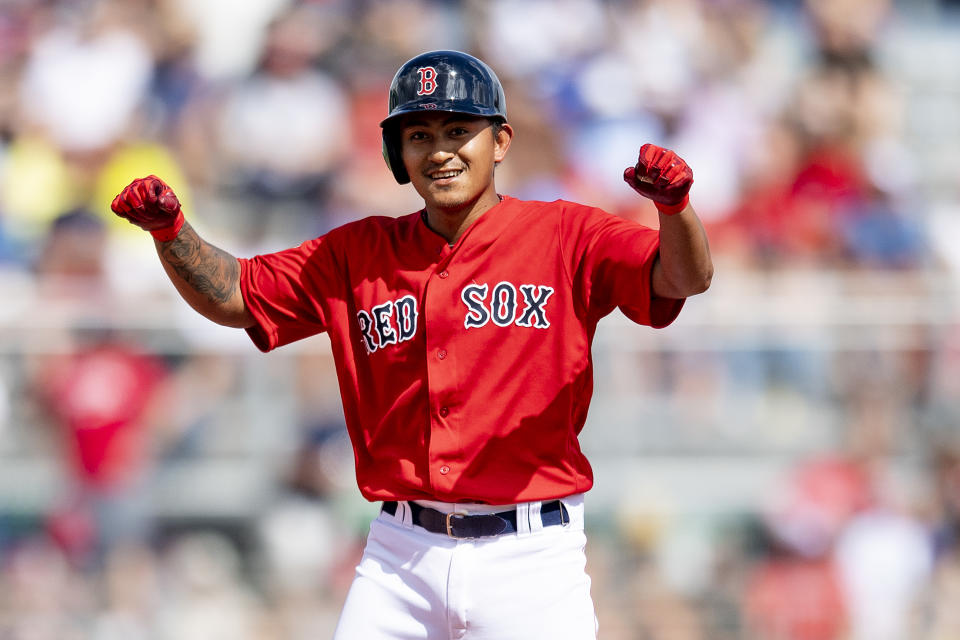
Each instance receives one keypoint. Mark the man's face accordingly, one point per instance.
(450, 157)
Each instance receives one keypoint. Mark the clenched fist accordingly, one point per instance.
(151, 205)
(662, 176)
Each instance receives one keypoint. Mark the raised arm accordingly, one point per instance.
(684, 267)
(207, 277)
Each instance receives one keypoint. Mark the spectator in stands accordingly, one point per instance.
(99, 394)
(283, 132)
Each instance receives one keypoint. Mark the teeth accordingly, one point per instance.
(445, 174)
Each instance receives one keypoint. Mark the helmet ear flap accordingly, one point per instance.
(391, 154)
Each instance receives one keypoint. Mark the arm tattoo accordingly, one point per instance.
(208, 270)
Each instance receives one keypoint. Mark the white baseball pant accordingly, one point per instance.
(412, 584)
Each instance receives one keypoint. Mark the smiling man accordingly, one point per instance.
(450, 159)
(461, 335)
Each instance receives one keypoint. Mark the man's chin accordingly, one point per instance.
(451, 202)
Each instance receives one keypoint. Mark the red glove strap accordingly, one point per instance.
(672, 209)
(169, 233)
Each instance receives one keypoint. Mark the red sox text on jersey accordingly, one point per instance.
(465, 371)
(395, 321)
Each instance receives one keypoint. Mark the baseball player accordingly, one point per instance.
(461, 335)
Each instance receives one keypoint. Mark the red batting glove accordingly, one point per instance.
(662, 176)
(151, 205)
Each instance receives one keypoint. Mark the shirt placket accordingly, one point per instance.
(444, 455)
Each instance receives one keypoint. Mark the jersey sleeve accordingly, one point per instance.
(287, 292)
(611, 264)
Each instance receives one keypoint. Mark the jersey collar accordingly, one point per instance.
(476, 238)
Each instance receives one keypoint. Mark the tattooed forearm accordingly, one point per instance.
(206, 277)
(209, 271)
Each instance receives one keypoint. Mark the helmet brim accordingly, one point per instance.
(443, 106)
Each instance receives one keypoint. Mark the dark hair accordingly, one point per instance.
(80, 219)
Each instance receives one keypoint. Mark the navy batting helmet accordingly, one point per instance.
(449, 81)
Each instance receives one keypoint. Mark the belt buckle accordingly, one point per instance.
(449, 529)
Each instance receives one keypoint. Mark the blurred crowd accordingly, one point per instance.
(811, 156)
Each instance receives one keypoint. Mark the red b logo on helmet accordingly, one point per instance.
(428, 81)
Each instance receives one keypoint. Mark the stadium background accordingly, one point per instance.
(783, 462)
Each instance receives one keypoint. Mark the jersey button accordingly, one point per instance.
(444, 273)
(444, 412)
(442, 354)
(444, 470)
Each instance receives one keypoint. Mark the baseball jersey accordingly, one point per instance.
(465, 370)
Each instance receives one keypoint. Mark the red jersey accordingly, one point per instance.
(101, 394)
(465, 371)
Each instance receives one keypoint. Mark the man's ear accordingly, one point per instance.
(502, 137)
